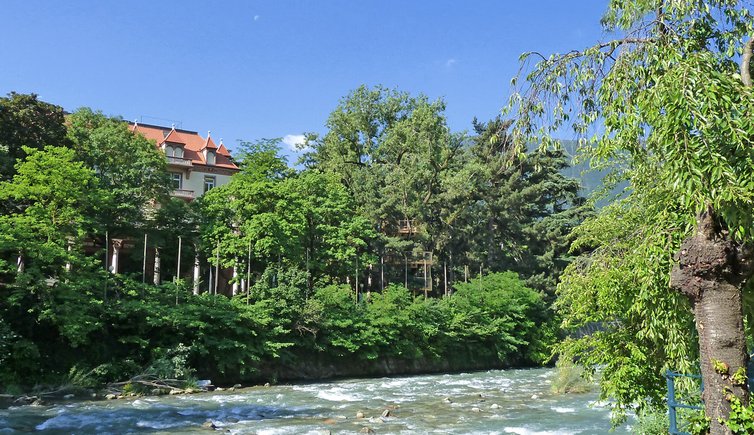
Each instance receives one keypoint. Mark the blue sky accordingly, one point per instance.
(254, 69)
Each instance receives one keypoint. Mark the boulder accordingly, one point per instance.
(359, 414)
(209, 425)
(175, 391)
(447, 400)
(386, 413)
(111, 396)
(367, 430)
(475, 409)
(494, 406)
(69, 396)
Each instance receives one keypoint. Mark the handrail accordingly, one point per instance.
(673, 404)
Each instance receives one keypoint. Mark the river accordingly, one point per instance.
(493, 402)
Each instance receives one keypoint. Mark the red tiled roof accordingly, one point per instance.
(192, 141)
(209, 143)
(172, 137)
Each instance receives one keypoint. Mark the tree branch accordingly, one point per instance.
(746, 62)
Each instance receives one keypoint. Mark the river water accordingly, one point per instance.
(493, 402)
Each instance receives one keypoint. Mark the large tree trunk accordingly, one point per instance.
(711, 271)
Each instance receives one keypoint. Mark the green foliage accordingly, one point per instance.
(620, 286)
(501, 312)
(741, 418)
(652, 422)
(27, 122)
(307, 232)
(720, 367)
(303, 220)
(131, 170)
(171, 363)
(519, 211)
(473, 201)
(571, 378)
(662, 108)
(739, 377)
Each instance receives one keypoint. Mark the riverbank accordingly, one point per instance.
(501, 401)
(319, 369)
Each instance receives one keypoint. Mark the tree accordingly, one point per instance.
(671, 114)
(509, 212)
(25, 121)
(56, 197)
(391, 151)
(130, 168)
(305, 219)
(58, 194)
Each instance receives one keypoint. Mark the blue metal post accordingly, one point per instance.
(671, 402)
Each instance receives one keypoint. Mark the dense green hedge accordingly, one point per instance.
(53, 335)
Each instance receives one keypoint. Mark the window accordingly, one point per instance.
(176, 180)
(178, 152)
(169, 151)
(209, 183)
(210, 157)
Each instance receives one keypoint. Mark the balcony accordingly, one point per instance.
(183, 193)
(179, 161)
(407, 227)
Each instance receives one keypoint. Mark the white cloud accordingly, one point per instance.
(450, 62)
(294, 141)
(256, 17)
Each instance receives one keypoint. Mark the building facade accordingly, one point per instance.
(196, 164)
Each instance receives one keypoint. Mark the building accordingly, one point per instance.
(196, 164)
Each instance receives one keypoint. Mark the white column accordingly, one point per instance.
(69, 248)
(156, 279)
(20, 265)
(117, 244)
(235, 280)
(196, 272)
(178, 267)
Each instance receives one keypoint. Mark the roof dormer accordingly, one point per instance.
(209, 150)
(173, 145)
